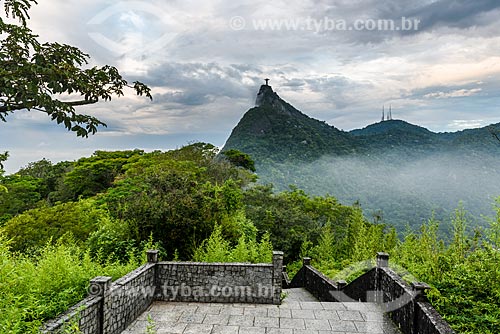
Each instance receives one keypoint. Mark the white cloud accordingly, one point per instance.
(454, 93)
(461, 124)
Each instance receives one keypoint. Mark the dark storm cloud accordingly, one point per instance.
(432, 15)
(203, 81)
(184, 98)
(295, 83)
(453, 13)
(328, 83)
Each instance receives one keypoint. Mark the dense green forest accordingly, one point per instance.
(62, 224)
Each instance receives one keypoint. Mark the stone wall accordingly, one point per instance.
(430, 320)
(111, 307)
(357, 289)
(215, 282)
(324, 289)
(220, 282)
(85, 314)
(397, 298)
(316, 282)
(127, 298)
(406, 305)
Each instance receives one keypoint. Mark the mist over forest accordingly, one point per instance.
(401, 174)
(398, 190)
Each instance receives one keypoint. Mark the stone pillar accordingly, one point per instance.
(152, 256)
(306, 261)
(382, 260)
(341, 284)
(99, 286)
(419, 289)
(277, 277)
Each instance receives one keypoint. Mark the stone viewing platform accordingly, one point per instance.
(300, 312)
(191, 297)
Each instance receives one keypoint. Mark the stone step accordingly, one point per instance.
(297, 314)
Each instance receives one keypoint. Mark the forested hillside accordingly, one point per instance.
(274, 131)
(65, 223)
(399, 172)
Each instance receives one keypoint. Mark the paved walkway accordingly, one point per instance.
(299, 313)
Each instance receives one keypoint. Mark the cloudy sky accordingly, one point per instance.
(437, 63)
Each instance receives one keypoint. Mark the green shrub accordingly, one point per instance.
(34, 228)
(217, 249)
(112, 240)
(35, 289)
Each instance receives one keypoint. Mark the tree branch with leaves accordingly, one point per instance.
(3, 158)
(36, 76)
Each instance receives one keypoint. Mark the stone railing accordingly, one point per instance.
(406, 305)
(111, 307)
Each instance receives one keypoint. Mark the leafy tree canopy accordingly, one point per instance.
(43, 76)
(240, 159)
(3, 158)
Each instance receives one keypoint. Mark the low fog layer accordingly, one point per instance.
(405, 190)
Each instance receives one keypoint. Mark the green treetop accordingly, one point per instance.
(34, 76)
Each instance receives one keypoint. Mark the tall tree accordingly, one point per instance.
(36, 76)
(3, 158)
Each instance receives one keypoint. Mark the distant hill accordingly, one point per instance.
(392, 127)
(394, 168)
(398, 133)
(275, 131)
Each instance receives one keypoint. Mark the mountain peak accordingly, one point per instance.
(266, 95)
(275, 129)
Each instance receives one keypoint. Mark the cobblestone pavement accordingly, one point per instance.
(299, 313)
